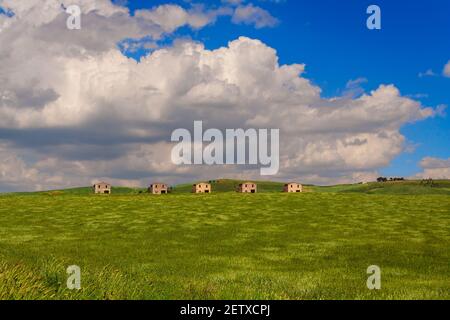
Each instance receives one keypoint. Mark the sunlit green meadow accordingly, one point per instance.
(225, 245)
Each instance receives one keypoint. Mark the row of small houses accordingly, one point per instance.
(162, 188)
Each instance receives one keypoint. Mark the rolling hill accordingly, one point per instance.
(413, 187)
(270, 245)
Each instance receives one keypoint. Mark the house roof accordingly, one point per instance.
(196, 184)
(97, 183)
(241, 184)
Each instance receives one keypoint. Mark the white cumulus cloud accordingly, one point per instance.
(250, 14)
(74, 109)
(434, 168)
(447, 70)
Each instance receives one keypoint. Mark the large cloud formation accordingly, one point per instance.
(74, 109)
(446, 71)
(434, 168)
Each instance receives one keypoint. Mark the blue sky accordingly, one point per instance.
(331, 38)
(75, 109)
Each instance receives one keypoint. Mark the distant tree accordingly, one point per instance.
(384, 179)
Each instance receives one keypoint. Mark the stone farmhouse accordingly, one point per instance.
(201, 188)
(102, 188)
(247, 187)
(158, 188)
(293, 187)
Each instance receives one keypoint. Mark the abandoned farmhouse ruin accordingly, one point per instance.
(158, 188)
(247, 187)
(293, 187)
(201, 188)
(102, 188)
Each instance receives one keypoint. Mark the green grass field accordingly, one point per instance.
(270, 245)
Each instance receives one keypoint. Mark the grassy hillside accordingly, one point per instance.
(228, 185)
(85, 191)
(225, 245)
(412, 187)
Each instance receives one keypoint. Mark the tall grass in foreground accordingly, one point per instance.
(225, 246)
